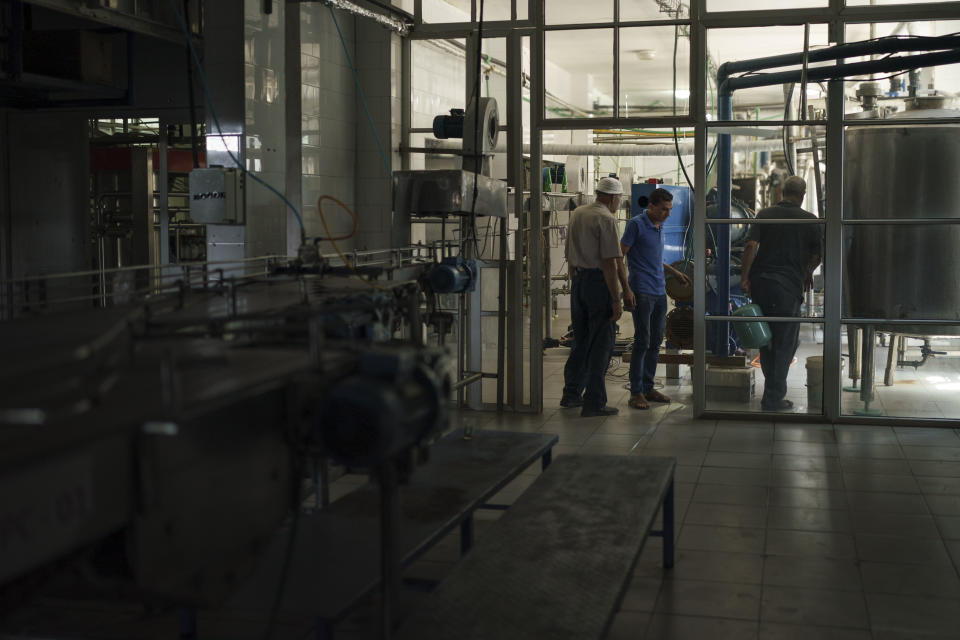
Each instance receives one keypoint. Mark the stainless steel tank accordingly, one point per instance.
(903, 271)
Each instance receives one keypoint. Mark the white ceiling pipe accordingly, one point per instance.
(390, 22)
(620, 150)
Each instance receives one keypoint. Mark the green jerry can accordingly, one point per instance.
(752, 335)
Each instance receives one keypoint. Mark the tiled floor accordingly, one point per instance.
(785, 530)
(925, 392)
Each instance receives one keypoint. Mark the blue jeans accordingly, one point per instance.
(649, 318)
(593, 335)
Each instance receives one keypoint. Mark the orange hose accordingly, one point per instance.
(333, 241)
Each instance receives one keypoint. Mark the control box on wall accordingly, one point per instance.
(216, 196)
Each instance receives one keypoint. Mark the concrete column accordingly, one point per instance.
(378, 64)
(49, 200)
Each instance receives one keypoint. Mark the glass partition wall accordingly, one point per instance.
(878, 328)
(872, 130)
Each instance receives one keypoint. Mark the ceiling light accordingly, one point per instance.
(682, 94)
(644, 54)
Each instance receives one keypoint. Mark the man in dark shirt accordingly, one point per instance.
(778, 265)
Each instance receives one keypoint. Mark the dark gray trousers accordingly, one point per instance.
(775, 358)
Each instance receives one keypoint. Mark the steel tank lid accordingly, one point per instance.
(926, 113)
(914, 114)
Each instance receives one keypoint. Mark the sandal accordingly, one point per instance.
(655, 396)
(638, 401)
(783, 405)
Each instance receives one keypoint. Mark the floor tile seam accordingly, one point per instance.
(703, 617)
(703, 582)
(912, 594)
(858, 589)
(813, 589)
(763, 570)
(718, 580)
(954, 557)
(926, 505)
(795, 530)
(867, 627)
(923, 596)
(901, 563)
(723, 526)
(884, 491)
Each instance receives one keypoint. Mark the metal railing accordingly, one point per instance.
(95, 288)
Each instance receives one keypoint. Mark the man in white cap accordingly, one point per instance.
(596, 265)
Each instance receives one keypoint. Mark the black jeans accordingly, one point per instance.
(649, 319)
(593, 335)
(775, 358)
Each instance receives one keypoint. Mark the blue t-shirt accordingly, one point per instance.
(645, 256)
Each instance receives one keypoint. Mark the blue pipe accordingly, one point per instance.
(724, 149)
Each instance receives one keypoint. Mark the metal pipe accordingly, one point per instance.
(535, 238)
(726, 319)
(401, 26)
(766, 221)
(804, 70)
(819, 74)
(502, 315)
(609, 150)
(891, 322)
(467, 380)
(515, 171)
(868, 350)
(721, 333)
(852, 50)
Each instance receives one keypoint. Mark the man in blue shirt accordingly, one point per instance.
(642, 244)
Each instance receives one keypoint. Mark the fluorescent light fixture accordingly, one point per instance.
(682, 94)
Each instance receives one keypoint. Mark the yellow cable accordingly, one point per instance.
(333, 240)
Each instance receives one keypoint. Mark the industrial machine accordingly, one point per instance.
(468, 191)
(454, 199)
(150, 450)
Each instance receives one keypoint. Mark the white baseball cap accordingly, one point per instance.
(610, 186)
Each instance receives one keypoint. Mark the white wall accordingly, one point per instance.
(378, 64)
(329, 119)
(49, 192)
(264, 127)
